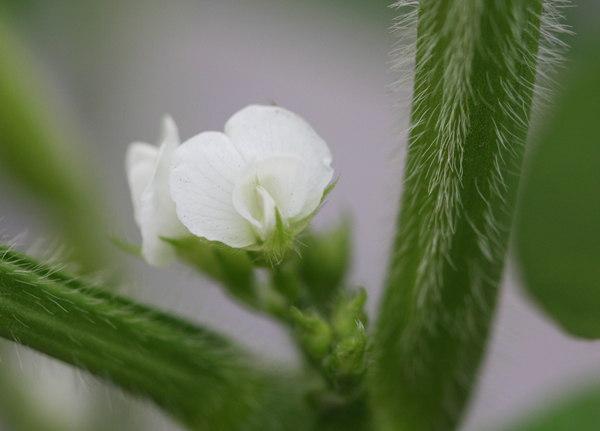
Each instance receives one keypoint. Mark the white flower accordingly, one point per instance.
(148, 169)
(254, 186)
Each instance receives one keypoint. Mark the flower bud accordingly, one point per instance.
(348, 356)
(315, 333)
(325, 261)
(348, 311)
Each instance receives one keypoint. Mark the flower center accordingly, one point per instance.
(275, 184)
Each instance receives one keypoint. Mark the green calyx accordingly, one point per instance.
(282, 237)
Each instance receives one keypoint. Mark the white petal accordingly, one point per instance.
(284, 177)
(158, 216)
(266, 206)
(139, 165)
(205, 169)
(260, 131)
(244, 196)
(169, 135)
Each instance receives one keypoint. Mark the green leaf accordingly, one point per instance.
(558, 234)
(195, 375)
(38, 151)
(474, 77)
(579, 413)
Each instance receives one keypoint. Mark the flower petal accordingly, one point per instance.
(245, 199)
(266, 206)
(277, 181)
(259, 131)
(204, 171)
(158, 216)
(139, 165)
(284, 177)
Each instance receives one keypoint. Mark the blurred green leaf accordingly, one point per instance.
(558, 232)
(40, 152)
(579, 413)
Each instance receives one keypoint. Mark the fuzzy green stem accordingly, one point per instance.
(474, 79)
(196, 376)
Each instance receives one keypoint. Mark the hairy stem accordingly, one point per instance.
(193, 374)
(474, 79)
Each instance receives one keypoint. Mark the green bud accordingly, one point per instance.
(348, 311)
(346, 364)
(230, 267)
(315, 333)
(325, 261)
(348, 356)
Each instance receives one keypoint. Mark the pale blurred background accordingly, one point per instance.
(119, 66)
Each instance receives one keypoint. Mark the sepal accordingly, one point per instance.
(280, 240)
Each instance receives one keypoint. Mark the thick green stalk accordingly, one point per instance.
(196, 376)
(474, 79)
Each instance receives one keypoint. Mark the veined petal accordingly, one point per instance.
(139, 165)
(203, 175)
(260, 131)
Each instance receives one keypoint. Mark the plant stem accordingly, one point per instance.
(193, 374)
(474, 79)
